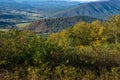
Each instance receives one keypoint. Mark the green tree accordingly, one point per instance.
(113, 25)
(88, 34)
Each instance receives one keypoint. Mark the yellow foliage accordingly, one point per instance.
(81, 34)
(61, 38)
(89, 33)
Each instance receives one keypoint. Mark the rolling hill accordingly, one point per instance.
(11, 16)
(101, 9)
(7, 25)
(55, 25)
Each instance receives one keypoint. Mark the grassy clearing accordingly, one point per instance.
(22, 25)
(4, 29)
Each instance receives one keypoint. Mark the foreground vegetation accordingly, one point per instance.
(88, 51)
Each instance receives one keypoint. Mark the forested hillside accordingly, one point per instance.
(57, 24)
(86, 51)
(102, 9)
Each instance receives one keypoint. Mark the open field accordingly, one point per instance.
(22, 25)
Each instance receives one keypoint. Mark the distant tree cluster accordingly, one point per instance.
(57, 24)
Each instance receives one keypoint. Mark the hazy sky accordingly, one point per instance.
(64, 0)
(88, 0)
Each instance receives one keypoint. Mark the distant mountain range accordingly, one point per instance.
(48, 8)
(102, 9)
(44, 7)
(59, 8)
(9, 5)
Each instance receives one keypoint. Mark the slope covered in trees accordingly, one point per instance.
(58, 24)
(101, 9)
(87, 51)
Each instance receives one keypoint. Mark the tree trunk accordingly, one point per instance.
(116, 38)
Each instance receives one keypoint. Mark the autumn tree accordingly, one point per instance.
(88, 34)
(62, 38)
(113, 27)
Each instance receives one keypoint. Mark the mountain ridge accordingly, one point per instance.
(101, 9)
